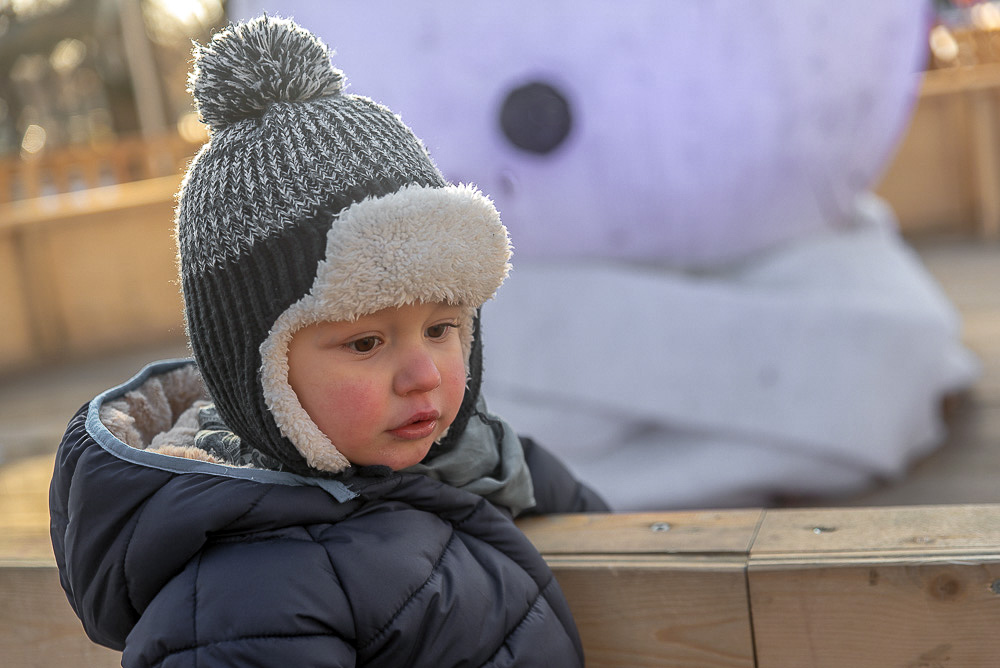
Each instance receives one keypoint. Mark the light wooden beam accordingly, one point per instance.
(914, 586)
(655, 589)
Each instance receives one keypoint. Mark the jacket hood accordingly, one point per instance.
(132, 502)
(125, 520)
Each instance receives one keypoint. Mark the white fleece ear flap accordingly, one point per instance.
(418, 244)
(291, 418)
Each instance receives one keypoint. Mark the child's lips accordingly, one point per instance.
(419, 425)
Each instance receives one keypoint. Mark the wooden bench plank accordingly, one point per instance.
(810, 536)
(876, 615)
(692, 532)
(913, 586)
(662, 612)
(654, 589)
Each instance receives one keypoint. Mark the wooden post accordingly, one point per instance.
(144, 75)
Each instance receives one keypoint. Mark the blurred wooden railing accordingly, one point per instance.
(84, 167)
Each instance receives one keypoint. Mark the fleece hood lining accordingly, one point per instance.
(179, 373)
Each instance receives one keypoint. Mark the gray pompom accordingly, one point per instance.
(249, 66)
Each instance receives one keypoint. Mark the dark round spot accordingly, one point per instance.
(536, 117)
(945, 587)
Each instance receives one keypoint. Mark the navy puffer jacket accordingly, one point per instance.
(181, 562)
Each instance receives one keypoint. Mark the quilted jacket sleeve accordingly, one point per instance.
(556, 489)
(270, 600)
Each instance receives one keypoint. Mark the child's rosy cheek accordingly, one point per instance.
(454, 380)
(353, 400)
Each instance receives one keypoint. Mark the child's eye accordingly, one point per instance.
(363, 345)
(440, 331)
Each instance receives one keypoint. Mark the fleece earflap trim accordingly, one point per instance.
(418, 244)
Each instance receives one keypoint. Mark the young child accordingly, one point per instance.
(325, 486)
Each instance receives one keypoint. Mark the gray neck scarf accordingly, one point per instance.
(488, 460)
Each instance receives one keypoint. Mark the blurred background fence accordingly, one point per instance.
(96, 128)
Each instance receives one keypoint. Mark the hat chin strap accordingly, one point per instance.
(419, 244)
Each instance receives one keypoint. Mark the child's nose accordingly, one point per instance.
(418, 372)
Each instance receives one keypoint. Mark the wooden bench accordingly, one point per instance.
(910, 587)
(907, 586)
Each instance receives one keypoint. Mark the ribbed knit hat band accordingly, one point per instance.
(286, 209)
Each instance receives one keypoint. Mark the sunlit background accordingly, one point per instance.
(97, 128)
(83, 72)
(77, 73)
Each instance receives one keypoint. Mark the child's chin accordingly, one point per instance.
(408, 455)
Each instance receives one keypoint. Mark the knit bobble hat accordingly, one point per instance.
(307, 205)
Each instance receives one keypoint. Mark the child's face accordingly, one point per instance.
(385, 387)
